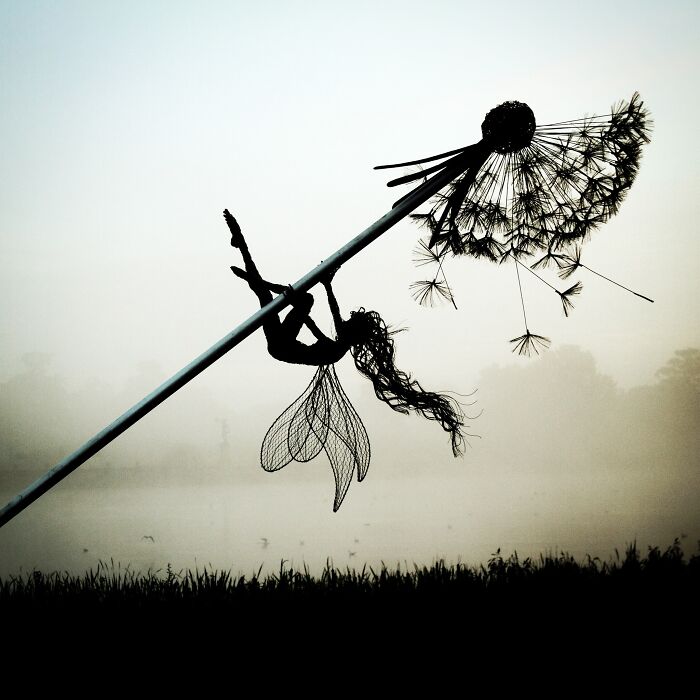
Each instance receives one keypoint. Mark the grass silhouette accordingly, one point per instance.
(506, 614)
(110, 586)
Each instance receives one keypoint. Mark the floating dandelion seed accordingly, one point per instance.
(558, 260)
(527, 344)
(428, 292)
(423, 255)
(566, 297)
(570, 263)
(525, 190)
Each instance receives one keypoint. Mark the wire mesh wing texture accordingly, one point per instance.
(322, 418)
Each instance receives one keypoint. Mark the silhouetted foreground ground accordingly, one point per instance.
(643, 605)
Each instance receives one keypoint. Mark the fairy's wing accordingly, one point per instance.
(321, 418)
(347, 444)
(301, 430)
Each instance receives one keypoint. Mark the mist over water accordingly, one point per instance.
(243, 527)
(566, 461)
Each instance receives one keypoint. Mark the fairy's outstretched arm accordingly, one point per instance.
(333, 302)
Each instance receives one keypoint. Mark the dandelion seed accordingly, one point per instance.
(528, 343)
(429, 292)
(565, 297)
(486, 247)
(571, 263)
(549, 257)
(426, 292)
(423, 255)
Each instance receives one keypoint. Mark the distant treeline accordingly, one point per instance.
(43, 419)
(557, 413)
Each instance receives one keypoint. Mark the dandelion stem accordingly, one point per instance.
(447, 284)
(627, 289)
(522, 300)
(541, 279)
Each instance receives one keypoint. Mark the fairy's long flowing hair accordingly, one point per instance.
(372, 348)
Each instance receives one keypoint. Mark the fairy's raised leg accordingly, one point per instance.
(279, 334)
(276, 331)
(272, 286)
(255, 281)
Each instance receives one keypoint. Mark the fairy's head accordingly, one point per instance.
(364, 328)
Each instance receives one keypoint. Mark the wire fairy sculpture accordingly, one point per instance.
(528, 190)
(322, 417)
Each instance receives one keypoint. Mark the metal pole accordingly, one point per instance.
(177, 381)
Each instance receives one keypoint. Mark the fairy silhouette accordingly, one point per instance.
(322, 417)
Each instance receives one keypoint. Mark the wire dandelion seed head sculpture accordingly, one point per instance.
(542, 188)
(528, 191)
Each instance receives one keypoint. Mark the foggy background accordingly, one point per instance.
(127, 128)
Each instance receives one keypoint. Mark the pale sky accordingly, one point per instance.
(127, 127)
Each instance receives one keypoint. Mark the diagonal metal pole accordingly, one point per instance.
(402, 208)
